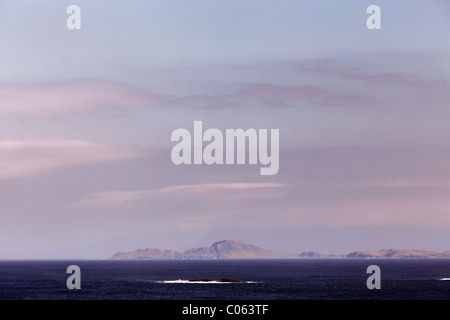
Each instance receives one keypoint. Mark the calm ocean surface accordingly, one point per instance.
(271, 279)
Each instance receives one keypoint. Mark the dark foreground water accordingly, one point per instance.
(270, 279)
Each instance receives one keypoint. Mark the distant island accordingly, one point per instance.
(235, 249)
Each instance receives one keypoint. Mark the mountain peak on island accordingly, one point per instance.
(229, 249)
(229, 241)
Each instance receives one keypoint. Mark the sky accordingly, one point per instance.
(86, 118)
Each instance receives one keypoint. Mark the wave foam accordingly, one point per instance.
(201, 282)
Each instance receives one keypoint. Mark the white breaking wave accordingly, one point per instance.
(201, 282)
(445, 279)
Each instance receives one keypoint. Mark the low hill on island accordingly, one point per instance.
(399, 254)
(235, 249)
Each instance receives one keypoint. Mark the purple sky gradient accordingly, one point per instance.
(86, 118)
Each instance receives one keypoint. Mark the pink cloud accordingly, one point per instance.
(273, 95)
(54, 99)
(411, 183)
(218, 192)
(359, 74)
(23, 158)
(400, 80)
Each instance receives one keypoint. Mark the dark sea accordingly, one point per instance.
(313, 279)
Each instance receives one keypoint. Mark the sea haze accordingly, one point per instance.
(271, 279)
